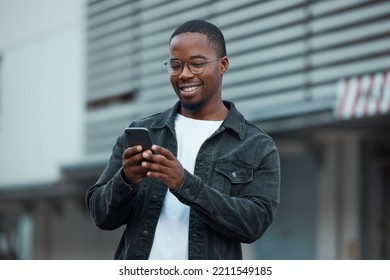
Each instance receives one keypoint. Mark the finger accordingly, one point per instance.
(133, 161)
(172, 181)
(164, 152)
(157, 162)
(131, 151)
(149, 156)
(155, 167)
(133, 171)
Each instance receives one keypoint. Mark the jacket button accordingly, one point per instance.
(187, 191)
(234, 174)
(154, 198)
(145, 233)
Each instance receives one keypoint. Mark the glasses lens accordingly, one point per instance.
(197, 65)
(174, 67)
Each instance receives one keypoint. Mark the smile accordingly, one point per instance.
(189, 89)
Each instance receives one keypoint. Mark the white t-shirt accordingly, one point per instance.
(171, 238)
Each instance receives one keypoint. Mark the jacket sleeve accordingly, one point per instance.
(110, 200)
(244, 217)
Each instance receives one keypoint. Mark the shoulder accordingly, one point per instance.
(146, 121)
(254, 131)
(156, 120)
(243, 127)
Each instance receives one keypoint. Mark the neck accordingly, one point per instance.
(217, 112)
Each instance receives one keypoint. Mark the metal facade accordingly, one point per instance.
(285, 57)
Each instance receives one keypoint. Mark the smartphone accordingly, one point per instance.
(138, 136)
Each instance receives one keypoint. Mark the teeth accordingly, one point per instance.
(187, 89)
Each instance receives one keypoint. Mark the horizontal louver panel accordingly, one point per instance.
(285, 56)
(157, 27)
(112, 34)
(104, 125)
(348, 38)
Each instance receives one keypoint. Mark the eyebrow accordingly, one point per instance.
(194, 56)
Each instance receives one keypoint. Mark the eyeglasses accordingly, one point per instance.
(195, 65)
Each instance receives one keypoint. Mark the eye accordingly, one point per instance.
(175, 65)
(197, 63)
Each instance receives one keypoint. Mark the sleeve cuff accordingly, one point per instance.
(121, 184)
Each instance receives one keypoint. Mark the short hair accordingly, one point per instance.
(213, 33)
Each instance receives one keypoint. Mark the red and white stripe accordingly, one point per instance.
(363, 96)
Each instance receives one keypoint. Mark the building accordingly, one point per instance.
(313, 74)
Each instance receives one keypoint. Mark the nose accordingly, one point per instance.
(186, 72)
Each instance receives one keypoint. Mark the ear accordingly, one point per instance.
(223, 65)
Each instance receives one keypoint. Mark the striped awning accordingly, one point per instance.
(363, 96)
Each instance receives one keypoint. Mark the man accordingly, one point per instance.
(211, 179)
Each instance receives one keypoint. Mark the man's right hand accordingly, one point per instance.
(131, 163)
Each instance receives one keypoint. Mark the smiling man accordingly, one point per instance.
(210, 181)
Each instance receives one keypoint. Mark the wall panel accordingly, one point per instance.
(285, 56)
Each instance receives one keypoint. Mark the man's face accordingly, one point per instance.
(197, 92)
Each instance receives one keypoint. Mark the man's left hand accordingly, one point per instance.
(163, 165)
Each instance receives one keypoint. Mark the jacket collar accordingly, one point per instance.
(234, 120)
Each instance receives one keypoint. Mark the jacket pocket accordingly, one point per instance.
(232, 175)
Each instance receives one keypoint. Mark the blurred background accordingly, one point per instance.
(312, 74)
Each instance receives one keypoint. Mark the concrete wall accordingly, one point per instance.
(41, 88)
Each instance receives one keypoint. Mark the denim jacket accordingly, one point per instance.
(233, 193)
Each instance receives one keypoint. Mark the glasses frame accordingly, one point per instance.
(188, 65)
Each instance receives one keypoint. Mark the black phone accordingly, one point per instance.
(138, 136)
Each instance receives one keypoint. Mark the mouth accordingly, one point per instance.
(189, 90)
